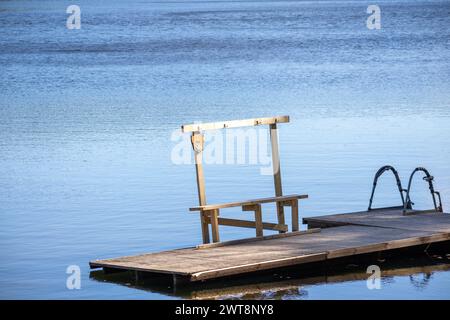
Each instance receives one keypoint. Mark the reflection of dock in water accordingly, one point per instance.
(292, 281)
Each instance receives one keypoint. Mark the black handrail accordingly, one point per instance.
(397, 178)
(428, 178)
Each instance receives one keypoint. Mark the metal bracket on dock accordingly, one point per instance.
(397, 178)
(428, 178)
(407, 204)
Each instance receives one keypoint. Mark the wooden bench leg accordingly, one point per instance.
(214, 215)
(280, 214)
(258, 217)
(258, 221)
(204, 217)
(294, 211)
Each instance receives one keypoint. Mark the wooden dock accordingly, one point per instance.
(331, 237)
(392, 218)
(289, 281)
(328, 237)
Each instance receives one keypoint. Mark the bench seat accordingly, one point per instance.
(283, 199)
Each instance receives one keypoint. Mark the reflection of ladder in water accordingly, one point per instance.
(209, 214)
(405, 193)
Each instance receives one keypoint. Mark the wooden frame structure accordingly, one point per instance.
(209, 214)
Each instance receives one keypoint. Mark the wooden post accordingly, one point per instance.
(258, 221)
(214, 215)
(177, 281)
(276, 171)
(259, 226)
(197, 140)
(210, 215)
(294, 212)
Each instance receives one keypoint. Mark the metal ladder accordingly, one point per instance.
(407, 204)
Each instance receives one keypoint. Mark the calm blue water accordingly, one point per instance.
(86, 118)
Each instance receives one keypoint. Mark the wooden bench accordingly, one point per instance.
(209, 213)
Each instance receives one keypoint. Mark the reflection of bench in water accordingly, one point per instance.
(353, 234)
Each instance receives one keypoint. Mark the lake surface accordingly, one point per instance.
(87, 119)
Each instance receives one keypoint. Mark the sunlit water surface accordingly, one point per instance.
(87, 116)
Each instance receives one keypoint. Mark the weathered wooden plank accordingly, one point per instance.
(256, 208)
(240, 269)
(258, 221)
(204, 222)
(184, 265)
(409, 242)
(246, 240)
(389, 218)
(223, 259)
(276, 171)
(198, 142)
(294, 214)
(252, 224)
(196, 127)
(281, 199)
(136, 267)
(214, 216)
(351, 251)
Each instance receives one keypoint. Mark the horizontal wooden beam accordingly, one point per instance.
(252, 224)
(253, 239)
(252, 267)
(283, 199)
(233, 124)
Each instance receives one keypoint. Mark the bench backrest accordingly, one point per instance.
(197, 140)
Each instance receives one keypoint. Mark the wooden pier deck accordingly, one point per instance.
(428, 220)
(289, 281)
(342, 235)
